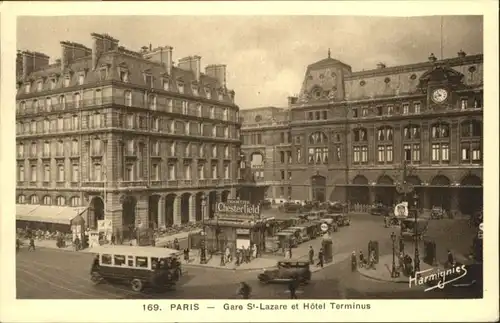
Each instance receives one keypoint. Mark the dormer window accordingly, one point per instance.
(81, 78)
(187, 128)
(208, 93)
(198, 110)
(124, 76)
(180, 87)
(148, 79)
(214, 131)
(221, 95)
(166, 84)
(184, 107)
(103, 73)
(390, 110)
(212, 112)
(39, 86)
(67, 81)
(224, 114)
(53, 83)
(194, 88)
(27, 87)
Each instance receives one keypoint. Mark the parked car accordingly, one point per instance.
(266, 204)
(379, 209)
(285, 271)
(290, 207)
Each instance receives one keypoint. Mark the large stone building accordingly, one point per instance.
(349, 136)
(126, 133)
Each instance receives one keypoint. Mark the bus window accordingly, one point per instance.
(141, 262)
(130, 261)
(106, 259)
(119, 260)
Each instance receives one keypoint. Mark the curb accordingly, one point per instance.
(226, 268)
(381, 279)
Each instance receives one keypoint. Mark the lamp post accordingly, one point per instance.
(203, 256)
(394, 272)
(416, 260)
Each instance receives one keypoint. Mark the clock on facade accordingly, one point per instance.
(439, 95)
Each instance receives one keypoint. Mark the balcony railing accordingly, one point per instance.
(74, 184)
(265, 124)
(93, 184)
(202, 182)
(132, 183)
(60, 184)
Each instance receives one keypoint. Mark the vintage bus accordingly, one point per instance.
(140, 267)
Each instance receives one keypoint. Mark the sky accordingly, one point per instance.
(266, 56)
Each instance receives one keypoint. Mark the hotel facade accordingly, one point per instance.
(360, 136)
(125, 133)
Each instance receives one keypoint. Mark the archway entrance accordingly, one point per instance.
(212, 201)
(318, 187)
(385, 190)
(471, 195)
(96, 211)
(185, 199)
(153, 211)
(198, 207)
(169, 210)
(128, 216)
(224, 196)
(359, 191)
(440, 192)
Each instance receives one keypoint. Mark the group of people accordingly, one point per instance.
(321, 257)
(364, 262)
(242, 255)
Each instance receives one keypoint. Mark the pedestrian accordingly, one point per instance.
(18, 244)
(222, 260)
(238, 255)
(186, 255)
(176, 244)
(254, 251)
(401, 245)
(451, 259)
(113, 238)
(244, 290)
(32, 244)
(77, 244)
(227, 254)
(290, 251)
(361, 259)
(311, 255)
(320, 258)
(354, 261)
(292, 287)
(401, 262)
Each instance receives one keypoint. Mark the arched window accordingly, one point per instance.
(74, 201)
(21, 199)
(385, 136)
(152, 102)
(385, 133)
(471, 128)
(318, 138)
(76, 100)
(411, 132)
(440, 130)
(47, 200)
(60, 200)
(318, 148)
(360, 146)
(34, 199)
(411, 146)
(75, 148)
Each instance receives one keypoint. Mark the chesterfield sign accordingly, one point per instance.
(238, 207)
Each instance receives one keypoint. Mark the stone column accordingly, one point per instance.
(161, 212)
(177, 210)
(142, 210)
(372, 196)
(192, 208)
(454, 206)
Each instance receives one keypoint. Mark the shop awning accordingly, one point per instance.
(47, 213)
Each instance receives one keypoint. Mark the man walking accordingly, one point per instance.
(32, 244)
(292, 287)
(311, 255)
(320, 258)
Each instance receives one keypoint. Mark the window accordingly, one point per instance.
(155, 172)
(103, 74)
(435, 153)
(289, 157)
(20, 174)
(48, 104)
(106, 259)
(364, 112)
(33, 173)
(214, 151)
(152, 102)
(208, 93)
(299, 155)
(96, 120)
(201, 172)
(47, 200)
(60, 124)
(282, 174)
(74, 201)
(471, 128)
(130, 121)
(35, 106)
(282, 137)
(356, 155)
(33, 126)
(98, 97)
(360, 134)
(214, 171)
(226, 151)
(440, 130)
(282, 157)
(173, 148)
(124, 76)
(128, 98)
(20, 151)
(226, 132)
(201, 151)
(212, 112)
(171, 172)
(463, 103)
(310, 116)
(46, 149)
(141, 262)
(119, 260)
(478, 104)
(338, 153)
(21, 199)
(406, 108)
(325, 115)
(74, 147)
(53, 83)
(155, 124)
(389, 156)
(407, 152)
(411, 132)
(226, 171)
(46, 173)
(445, 152)
(180, 86)
(390, 110)
(39, 86)
(416, 152)
(60, 200)
(34, 199)
(81, 79)
(198, 110)
(381, 154)
(67, 81)
(76, 100)
(289, 176)
(75, 173)
(27, 87)
(62, 101)
(416, 107)
(60, 148)
(379, 110)
(318, 115)
(187, 172)
(471, 152)
(97, 172)
(75, 124)
(33, 149)
(166, 85)
(60, 173)
(364, 154)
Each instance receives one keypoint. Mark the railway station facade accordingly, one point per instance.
(358, 136)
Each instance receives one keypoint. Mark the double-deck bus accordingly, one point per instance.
(139, 267)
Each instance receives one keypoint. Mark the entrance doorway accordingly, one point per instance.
(318, 187)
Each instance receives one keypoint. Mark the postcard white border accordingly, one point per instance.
(12, 310)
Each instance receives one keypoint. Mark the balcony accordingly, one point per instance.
(156, 183)
(172, 182)
(61, 184)
(46, 184)
(202, 182)
(33, 184)
(20, 183)
(93, 184)
(228, 181)
(132, 184)
(74, 184)
(214, 181)
(186, 183)
(264, 124)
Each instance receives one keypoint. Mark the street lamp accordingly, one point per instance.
(417, 256)
(394, 272)
(203, 256)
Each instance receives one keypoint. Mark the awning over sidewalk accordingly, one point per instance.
(47, 213)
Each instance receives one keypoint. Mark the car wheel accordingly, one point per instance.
(96, 278)
(136, 285)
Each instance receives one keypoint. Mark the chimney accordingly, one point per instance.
(162, 55)
(71, 51)
(19, 64)
(292, 100)
(218, 72)
(196, 67)
(232, 95)
(101, 43)
(432, 58)
(32, 61)
(381, 65)
(461, 54)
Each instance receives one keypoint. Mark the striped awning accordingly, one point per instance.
(47, 213)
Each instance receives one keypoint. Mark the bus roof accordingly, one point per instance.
(136, 251)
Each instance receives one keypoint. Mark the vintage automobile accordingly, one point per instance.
(140, 267)
(411, 227)
(336, 207)
(379, 209)
(437, 212)
(265, 204)
(290, 207)
(286, 239)
(286, 271)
